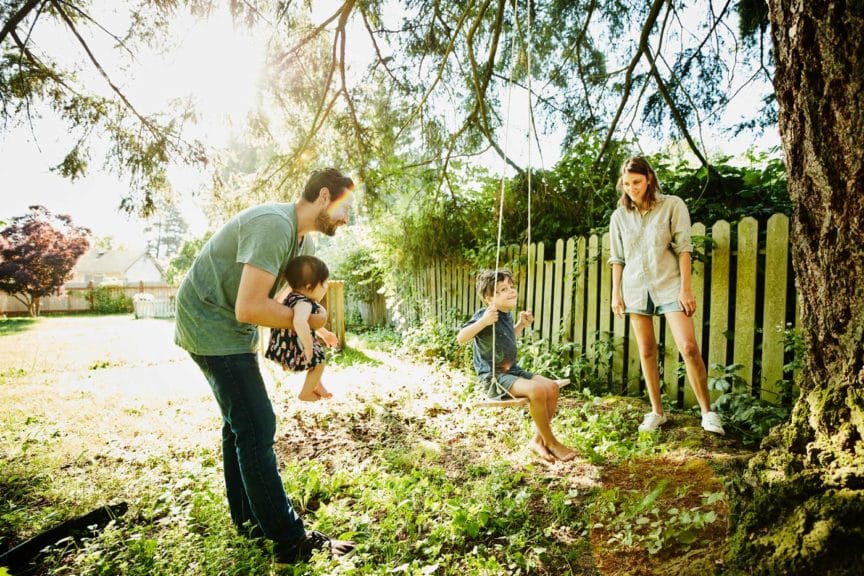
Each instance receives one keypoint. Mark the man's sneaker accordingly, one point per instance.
(312, 541)
(712, 422)
(652, 421)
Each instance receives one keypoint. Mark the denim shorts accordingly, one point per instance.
(654, 310)
(498, 388)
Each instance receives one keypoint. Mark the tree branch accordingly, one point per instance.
(628, 76)
(440, 73)
(673, 109)
(144, 121)
(358, 129)
(381, 59)
(315, 32)
(17, 17)
(481, 81)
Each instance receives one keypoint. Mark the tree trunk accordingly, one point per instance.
(33, 306)
(800, 509)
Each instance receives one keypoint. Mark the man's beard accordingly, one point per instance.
(325, 224)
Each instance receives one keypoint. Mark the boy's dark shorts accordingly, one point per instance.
(498, 388)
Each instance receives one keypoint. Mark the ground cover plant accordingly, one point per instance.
(100, 410)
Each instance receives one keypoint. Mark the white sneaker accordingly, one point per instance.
(712, 422)
(652, 421)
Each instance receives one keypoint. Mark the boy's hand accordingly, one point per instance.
(490, 316)
(526, 318)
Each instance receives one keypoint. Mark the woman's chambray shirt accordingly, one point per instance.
(648, 247)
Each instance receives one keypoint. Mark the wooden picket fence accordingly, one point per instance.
(744, 289)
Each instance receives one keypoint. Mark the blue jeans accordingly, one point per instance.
(255, 491)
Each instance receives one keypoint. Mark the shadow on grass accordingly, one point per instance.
(15, 325)
(349, 356)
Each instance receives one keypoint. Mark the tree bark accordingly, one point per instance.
(801, 505)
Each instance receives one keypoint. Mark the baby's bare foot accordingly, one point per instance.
(322, 392)
(562, 382)
(562, 452)
(541, 450)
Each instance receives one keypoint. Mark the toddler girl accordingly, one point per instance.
(299, 349)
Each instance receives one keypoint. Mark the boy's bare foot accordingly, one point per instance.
(562, 382)
(562, 452)
(541, 450)
(310, 397)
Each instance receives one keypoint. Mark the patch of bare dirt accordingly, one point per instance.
(686, 480)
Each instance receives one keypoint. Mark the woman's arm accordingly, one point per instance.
(617, 294)
(686, 298)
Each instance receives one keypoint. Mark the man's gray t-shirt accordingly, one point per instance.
(263, 236)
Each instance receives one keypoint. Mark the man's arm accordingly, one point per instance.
(254, 305)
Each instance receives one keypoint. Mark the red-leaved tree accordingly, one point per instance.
(37, 253)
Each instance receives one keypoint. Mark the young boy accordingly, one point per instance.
(499, 294)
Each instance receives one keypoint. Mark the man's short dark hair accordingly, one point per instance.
(336, 182)
(306, 272)
(486, 280)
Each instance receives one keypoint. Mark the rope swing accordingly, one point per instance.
(512, 400)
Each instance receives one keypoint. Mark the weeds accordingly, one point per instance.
(631, 519)
(747, 416)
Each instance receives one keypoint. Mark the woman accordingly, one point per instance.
(650, 259)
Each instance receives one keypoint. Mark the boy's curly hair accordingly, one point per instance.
(486, 280)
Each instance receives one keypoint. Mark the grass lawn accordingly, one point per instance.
(102, 410)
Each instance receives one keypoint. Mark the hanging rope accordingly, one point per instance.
(503, 176)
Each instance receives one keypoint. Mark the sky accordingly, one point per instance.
(198, 67)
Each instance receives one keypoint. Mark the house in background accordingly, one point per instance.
(116, 268)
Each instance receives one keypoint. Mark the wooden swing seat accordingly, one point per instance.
(503, 403)
(509, 402)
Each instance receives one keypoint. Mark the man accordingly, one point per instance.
(226, 295)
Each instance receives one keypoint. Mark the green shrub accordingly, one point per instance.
(109, 300)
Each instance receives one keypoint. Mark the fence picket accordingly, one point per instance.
(669, 360)
(634, 370)
(591, 317)
(718, 343)
(580, 272)
(745, 297)
(774, 316)
(555, 336)
(605, 328)
(545, 316)
(537, 280)
(697, 284)
(567, 314)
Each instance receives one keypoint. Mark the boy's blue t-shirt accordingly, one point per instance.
(505, 344)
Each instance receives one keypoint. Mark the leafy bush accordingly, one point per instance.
(362, 273)
(437, 340)
(109, 300)
(744, 414)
